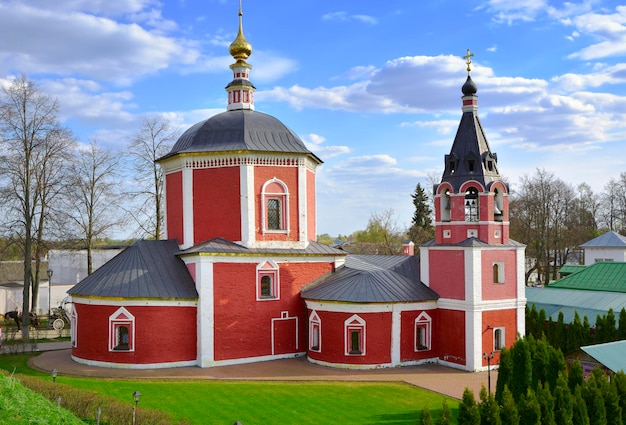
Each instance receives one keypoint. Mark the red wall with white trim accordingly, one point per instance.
(498, 319)
(449, 336)
(499, 291)
(289, 176)
(447, 273)
(161, 334)
(377, 339)
(216, 204)
(244, 324)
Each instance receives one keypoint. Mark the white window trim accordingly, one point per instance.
(354, 323)
(502, 339)
(268, 268)
(121, 317)
(74, 327)
(315, 325)
(283, 197)
(423, 321)
(500, 279)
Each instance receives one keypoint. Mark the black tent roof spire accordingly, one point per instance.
(470, 157)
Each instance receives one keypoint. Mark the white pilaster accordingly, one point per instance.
(396, 321)
(206, 312)
(248, 211)
(302, 205)
(188, 224)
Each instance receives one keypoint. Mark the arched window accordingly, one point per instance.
(315, 332)
(422, 332)
(471, 204)
(267, 281)
(354, 329)
(275, 207)
(498, 339)
(121, 331)
(498, 206)
(445, 205)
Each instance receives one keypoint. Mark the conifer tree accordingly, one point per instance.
(539, 354)
(546, 401)
(504, 373)
(425, 417)
(609, 332)
(610, 396)
(619, 381)
(530, 410)
(508, 412)
(489, 409)
(576, 376)
(421, 228)
(579, 411)
(446, 414)
(556, 364)
(592, 395)
(621, 331)
(563, 408)
(521, 376)
(469, 413)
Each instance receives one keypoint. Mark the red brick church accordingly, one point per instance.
(241, 278)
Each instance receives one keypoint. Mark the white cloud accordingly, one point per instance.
(345, 16)
(610, 29)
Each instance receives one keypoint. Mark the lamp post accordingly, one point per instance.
(54, 373)
(136, 396)
(50, 273)
(488, 357)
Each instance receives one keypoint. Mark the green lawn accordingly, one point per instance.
(224, 402)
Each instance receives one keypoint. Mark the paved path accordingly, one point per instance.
(436, 378)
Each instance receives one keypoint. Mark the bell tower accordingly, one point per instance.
(472, 264)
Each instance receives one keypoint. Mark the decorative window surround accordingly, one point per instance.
(354, 330)
(122, 331)
(315, 332)
(275, 207)
(423, 326)
(268, 282)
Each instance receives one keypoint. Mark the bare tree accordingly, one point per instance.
(551, 220)
(613, 212)
(94, 198)
(33, 146)
(382, 236)
(154, 139)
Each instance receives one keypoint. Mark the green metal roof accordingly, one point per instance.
(610, 354)
(568, 269)
(586, 303)
(601, 276)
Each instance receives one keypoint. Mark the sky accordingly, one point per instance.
(373, 88)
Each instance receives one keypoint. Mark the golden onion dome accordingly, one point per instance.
(240, 49)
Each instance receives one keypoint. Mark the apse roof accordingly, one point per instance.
(146, 269)
(372, 278)
(240, 130)
(607, 240)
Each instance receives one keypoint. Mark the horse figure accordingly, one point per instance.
(14, 315)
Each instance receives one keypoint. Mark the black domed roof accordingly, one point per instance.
(469, 87)
(240, 130)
